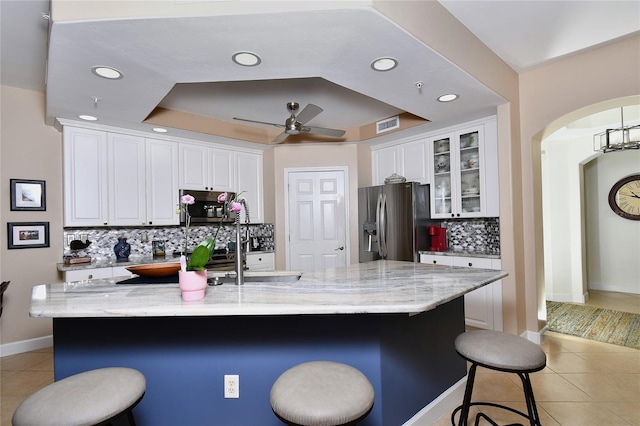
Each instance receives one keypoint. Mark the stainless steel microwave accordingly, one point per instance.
(206, 208)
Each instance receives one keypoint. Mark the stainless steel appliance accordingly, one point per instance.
(221, 259)
(393, 221)
(207, 209)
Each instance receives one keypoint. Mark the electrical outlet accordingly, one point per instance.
(231, 386)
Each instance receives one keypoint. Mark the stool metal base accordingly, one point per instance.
(532, 410)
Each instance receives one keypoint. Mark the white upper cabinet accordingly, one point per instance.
(407, 159)
(464, 179)
(162, 182)
(126, 184)
(114, 179)
(206, 169)
(85, 177)
(249, 181)
(413, 161)
(385, 163)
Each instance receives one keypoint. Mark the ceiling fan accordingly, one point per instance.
(297, 124)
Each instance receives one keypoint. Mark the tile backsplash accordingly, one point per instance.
(474, 235)
(103, 240)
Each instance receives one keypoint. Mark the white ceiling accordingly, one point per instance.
(318, 56)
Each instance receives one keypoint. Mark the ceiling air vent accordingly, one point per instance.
(388, 124)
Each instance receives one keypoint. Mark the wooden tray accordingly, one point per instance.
(155, 269)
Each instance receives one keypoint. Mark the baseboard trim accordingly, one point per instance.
(440, 406)
(25, 346)
(534, 336)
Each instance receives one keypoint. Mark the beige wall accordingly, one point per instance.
(314, 156)
(435, 26)
(28, 150)
(551, 97)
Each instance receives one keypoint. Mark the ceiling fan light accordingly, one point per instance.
(107, 72)
(384, 64)
(448, 97)
(87, 117)
(246, 59)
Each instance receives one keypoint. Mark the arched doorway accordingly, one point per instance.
(584, 242)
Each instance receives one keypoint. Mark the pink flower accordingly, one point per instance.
(222, 197)
(187, 199)
(235, 207)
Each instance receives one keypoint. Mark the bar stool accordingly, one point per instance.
(322, 393)
(500, 352)
(94, 397)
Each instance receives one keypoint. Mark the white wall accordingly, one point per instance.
(563, 217)
(613, 243)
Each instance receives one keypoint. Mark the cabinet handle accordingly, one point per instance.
(150, 223)
(259, 259)
(470, 264)
(453, 215)
(90, 276)
(105, 223)
(435, 261)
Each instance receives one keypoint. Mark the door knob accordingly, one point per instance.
(340, 248)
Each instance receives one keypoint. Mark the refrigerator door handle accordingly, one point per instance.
(378, 230)
(383, 225)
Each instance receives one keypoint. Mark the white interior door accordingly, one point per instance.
(317, 217)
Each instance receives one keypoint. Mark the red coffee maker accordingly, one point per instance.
(438, 236)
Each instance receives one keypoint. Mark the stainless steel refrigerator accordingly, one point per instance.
(393, 221)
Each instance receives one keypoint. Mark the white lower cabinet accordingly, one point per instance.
(260, 261)
(483, 306)
(96, 273)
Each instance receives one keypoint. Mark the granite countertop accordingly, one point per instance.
(462, 253)
(375, 287)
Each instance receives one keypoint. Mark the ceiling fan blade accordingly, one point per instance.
(308, 113)
(280, 138)
(324, 131)
(259, 122)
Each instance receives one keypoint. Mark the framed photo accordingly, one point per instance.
(28, 194)
(28, 234)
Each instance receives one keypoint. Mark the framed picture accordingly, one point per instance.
(28, 234)
(28, 194)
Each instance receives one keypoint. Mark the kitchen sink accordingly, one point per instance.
(221, 277)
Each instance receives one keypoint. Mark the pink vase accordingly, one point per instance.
(192, 284)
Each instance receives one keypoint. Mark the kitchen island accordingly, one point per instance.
(395, 321)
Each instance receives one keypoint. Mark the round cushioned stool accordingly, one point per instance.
(91, 398)
(322, 393)
(500, 352)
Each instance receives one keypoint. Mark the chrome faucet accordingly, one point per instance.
(240, 242)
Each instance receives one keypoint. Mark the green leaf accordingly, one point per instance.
(201, 255)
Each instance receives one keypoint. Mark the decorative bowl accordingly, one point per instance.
(155, 270)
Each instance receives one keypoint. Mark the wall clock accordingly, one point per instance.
(624, 197)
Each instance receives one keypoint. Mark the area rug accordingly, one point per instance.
(602, 325)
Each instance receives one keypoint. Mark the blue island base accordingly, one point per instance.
(410, 360)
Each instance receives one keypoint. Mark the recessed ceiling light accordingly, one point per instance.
(246, 59)
(159, 130)
(384, 64)
(87, 117)
(447, 98)
(107, 72)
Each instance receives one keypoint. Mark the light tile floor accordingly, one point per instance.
(617, 301)
(585, 382)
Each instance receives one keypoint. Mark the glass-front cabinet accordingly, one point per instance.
(458, 178)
